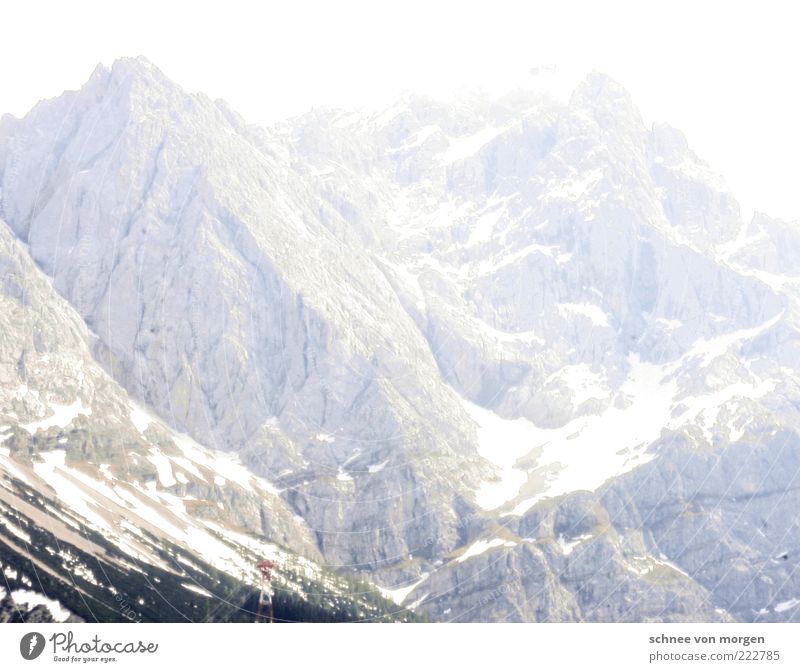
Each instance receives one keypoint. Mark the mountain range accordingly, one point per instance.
(487, 359)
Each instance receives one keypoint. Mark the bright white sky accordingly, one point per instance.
(726, 73)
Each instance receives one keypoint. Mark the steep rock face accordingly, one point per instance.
(541, 236)
(222, 298)
(70, 433)
(696, 201)
(571, 267)
(107, 513)
(768, 245)
(519, 358)
(690, 536)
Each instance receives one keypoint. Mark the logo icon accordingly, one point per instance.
(31, 645)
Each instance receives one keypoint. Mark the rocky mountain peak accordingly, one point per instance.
(608, 102)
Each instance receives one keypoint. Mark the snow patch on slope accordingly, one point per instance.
(62, 416)
(466, 146)
(33, 599)
(586, 452)
(482, 545)
(398, 595)
(582, 454)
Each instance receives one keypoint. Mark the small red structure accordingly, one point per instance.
(265, 614)
(266, 567)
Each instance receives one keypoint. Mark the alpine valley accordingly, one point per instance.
(489, 359)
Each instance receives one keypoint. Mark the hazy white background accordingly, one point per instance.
(726, 73)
